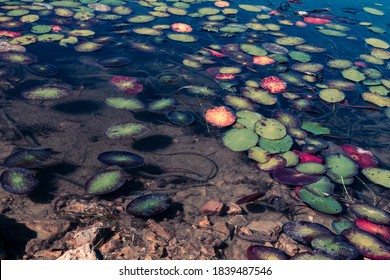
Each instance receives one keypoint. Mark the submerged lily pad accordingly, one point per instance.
(286, 118)
(335, 247)
(149, 205)
(240, 139)
(161, 105)
(18, 57)
(28, 158)
(47, 93)
(105, 182)
(122, 159)
(305, 232)
(259, 252)
(126, 84)
(127, 130)
(18, 180)
(114, 61)
(180, 117)
(88, 47)
(42, 69)
(367, 244)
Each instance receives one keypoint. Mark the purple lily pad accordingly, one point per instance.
(149, 205)
(28, 158)
(304, 232)
(122, 159)
(259, 252)
(18, 180)
(290, 176)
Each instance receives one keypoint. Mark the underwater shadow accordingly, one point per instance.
(153, 143)
(44, 192)
(78, 107)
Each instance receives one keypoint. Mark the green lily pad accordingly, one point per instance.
(373, 11)
(40, 29)
(323, 187)
(161, 105)
(327, 205)
(332, 95)
(342, 224)
(353, 75)
(310, 48)
(185, 38)
(130, 104)
(290, 41)
(286, 118)
(147, 31)
(240, 139)
(239, 103)
(276, 146)
(315, 128)
(47, 93)
(253, 49)
(259, 96)
(275, 162)
(291, 158)
(299, 56)
(377, 43)
(305, 232)
(258, 154)
(127, 130)
(335, 247)
(88, 47)
(141, 19)
(340, 63)
(105, 182)
(378, 176)
(333, 33)
(310, 168)
(248, 118)
(18, 57)
(208, 11)
(307, 67)
(341, 167)
(381, 101)
(270, 129)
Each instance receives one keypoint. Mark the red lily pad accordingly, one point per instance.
(314, 20)
(304, 157)
(290, 176)
(273, 84)
(127, 84)
(363, 157)
(383, 232)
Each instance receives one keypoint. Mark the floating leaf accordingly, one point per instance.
(286, 118)
(248, 118)
(114, 61)
(141, 19)
(47, 93)
(276, 146)
(122, 159)
(220, 116)
(149, 205)
(42, 69)
(181, 118)
(18, 57)
(259, 252)
(305, 232)
(130, 104)
(273, 84)
(341, 85)
(105, 182)
(127, 130)
(28, 158)
(88, 47)
(327, 205)
(323, 187)
(240, 139)
(335, 247)
(290, 41)
(373, 11)
(258, 154)
(185, 38)
(381, 101)
(367, 244)
(291, 158)
(18, 180)
(377, 43)
(341, 167)
(353, 75)
(315, 128)
(127, 84)
(383, 232)
(259, 96)
(270, 129)
(307, 67)
(339, 63)
(363, 157)
(341, 224)
(290, 176)
(378, 176)
(370, 213)
(299, 56)
(332, 95)
(275, 162)
(161, 105)
(311, 168)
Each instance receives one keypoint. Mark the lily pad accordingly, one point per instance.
(290, 176)
(377, 43)
(149, 205)
(42, 69)
(276, 146)
(311, 168)
(258, 154)
(353, 75)
(122, 159)
(259, 252)
(327, 205)
(381, 101)
(114, 61)
(383, 232)
(340, 63)
(130, 104)
(275, 162)
(370, 213)
(240, 139)
(307, 67)
(105, 182)
(367, 244)
(126, 84)
(291, 158)
(88, 47)
(363, 157)
(127, 130)
(273, 84)
(161, 105)
(220, 116)
(286, 118)
(270, 129)
(18, 180)
(185, 38)
(341, 167)
(305, 232)
(259, 96)
(248, 118)
(315, 128)
(28, 158)
(323, 187)
(342, 224)
(335, 247)
(18, 57)
(332, 95)
(47, 93)
(378, 176)
(180, 117)
(290, 41)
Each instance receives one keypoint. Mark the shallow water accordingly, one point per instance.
(75, 127)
